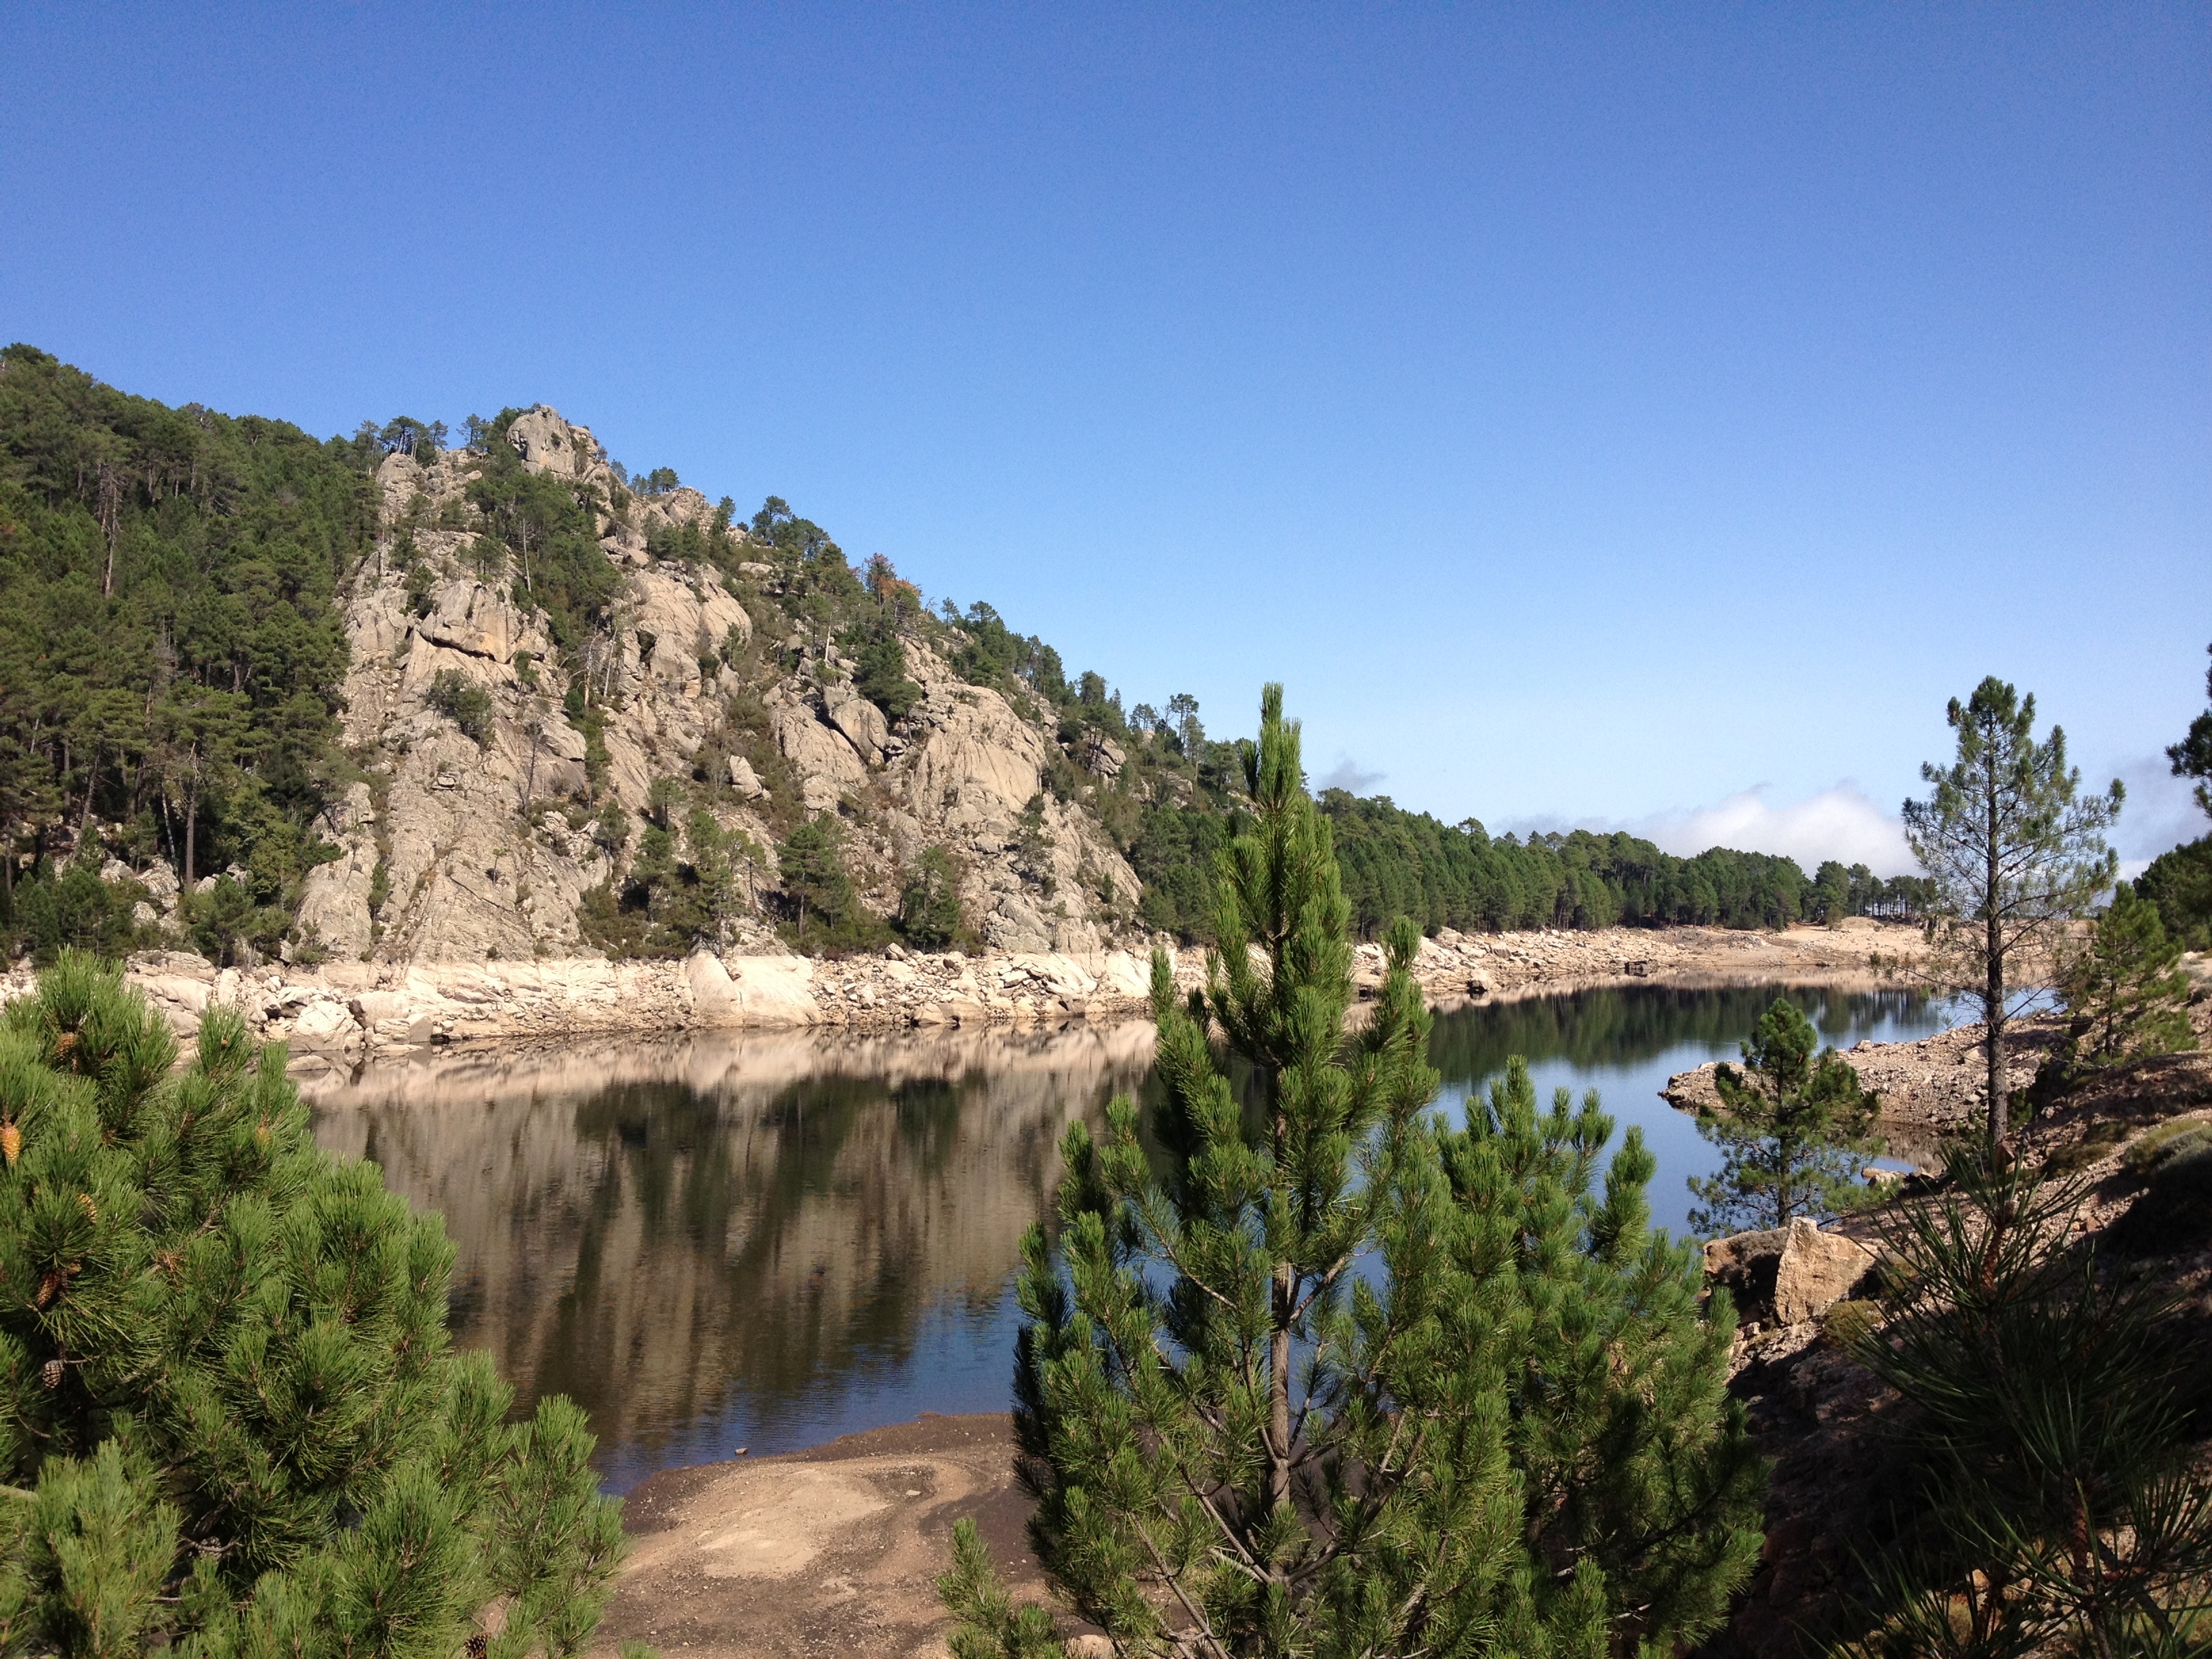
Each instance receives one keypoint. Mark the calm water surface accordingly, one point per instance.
(768, 1240)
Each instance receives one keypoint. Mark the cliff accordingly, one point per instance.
(470, 846)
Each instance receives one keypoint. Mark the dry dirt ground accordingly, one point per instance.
(828, 1552)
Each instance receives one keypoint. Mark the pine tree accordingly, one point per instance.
(2015, 852)
(1315, 1376)
(929, 904)
(230, 1423)
(1791, 1129)
(2125, 991)
(814, 884)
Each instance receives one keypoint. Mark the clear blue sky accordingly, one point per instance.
(1591, 413)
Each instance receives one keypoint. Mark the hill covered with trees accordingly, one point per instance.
(265, 693)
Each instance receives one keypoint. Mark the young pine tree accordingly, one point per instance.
(229, 1421)
(1324, 1379)
(1791, 1129)
(2125, 993)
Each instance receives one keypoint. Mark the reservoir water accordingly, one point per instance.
(765, 1240)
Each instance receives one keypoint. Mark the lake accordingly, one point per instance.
(767, 1239)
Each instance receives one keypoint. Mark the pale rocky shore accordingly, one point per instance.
(339, 1013)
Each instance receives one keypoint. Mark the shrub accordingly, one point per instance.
(2174, 1211)
(2177, 1137)
(463, 702)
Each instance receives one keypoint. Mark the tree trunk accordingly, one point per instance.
(91, 783)
(191, 823)
(1993, 990)
(1278, 1349)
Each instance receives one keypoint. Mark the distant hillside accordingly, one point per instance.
(374, 697)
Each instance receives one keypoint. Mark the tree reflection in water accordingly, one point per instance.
(767, 1240)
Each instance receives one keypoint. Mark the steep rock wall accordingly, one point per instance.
(474, 848)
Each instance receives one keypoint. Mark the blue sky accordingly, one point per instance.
(1593, 414)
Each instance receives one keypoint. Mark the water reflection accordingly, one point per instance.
(767, 1240)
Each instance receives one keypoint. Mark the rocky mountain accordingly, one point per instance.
(476, 834)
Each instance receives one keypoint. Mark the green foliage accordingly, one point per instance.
(2179, 883)
(1401, 863)
(1791, 1130)
(929, 904)
(2124, 991)
(681, 890)
(224, 1376)
(825, 912)
(2015, 852)
(463, 702)
(72, 909)
(229, 926)
(991, 653)
(880, 674)
(2054, 1509)
(168, 643)
(551, 535)
(1506, 1428)
(1174, 854)
(2148, 1151)
(2192, 756)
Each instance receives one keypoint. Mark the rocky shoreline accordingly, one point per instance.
(341, 1013)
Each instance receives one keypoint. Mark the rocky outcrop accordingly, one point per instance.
(1924, 1090)
(472, 845)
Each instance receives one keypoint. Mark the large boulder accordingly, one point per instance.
(685, 623)
(826, 763)
(1816, 1271)
(468, 615)
(1744, 1266)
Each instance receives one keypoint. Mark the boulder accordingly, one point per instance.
(773, 990)
(744, 780)
(1816, 1271)
(324, 1025)
(980, 764)
(1102, 757)
(826, 763)
(1744, 1265)
(468, 617)
(160, 881)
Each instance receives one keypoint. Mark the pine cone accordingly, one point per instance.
(51, 1373)
(11, 1143)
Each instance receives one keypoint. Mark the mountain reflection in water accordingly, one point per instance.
(767, 1240)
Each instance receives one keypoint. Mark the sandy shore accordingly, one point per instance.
(832, 1551)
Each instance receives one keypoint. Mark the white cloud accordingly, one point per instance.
(1841, 823)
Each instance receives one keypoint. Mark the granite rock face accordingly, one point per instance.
(475, 847)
